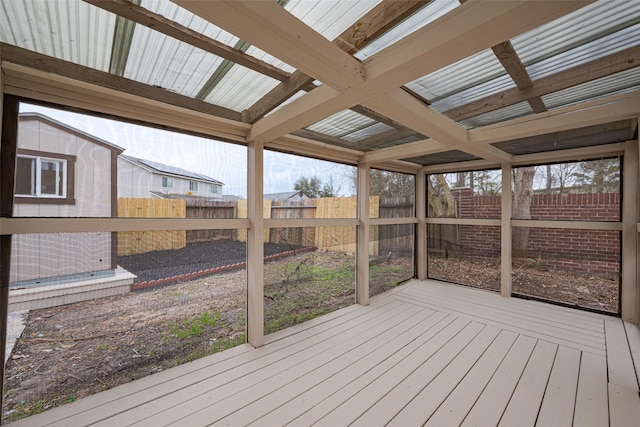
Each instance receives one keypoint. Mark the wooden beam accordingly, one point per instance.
(405, 151)
(37, 61)
(629, 243)
(604, 110)
(458, 34)
(142, 16)
(374, 23)
(505, 233)
(464, 31)
(511, 62)
(255, 244)
(271, 28)
(421, 237)
(362, 235)
(606, 66)
(401, 106)
(386, 138)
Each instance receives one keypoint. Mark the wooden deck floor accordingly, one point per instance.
(426, 353)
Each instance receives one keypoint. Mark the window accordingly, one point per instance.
(167, 182)
(214, 189)
(193, 186)
(41, 177)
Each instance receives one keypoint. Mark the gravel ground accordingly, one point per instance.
(194, 257)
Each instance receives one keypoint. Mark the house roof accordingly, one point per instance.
(401, 84)
(285, 195)
(164, 169)
(71, 129)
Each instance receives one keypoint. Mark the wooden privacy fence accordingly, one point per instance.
(138, 242)
(204, 209)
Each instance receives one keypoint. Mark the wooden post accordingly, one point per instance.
(421, 227)
(8, 149)
(363, 233)
(505, 232)
(629, 244)
(255, 244)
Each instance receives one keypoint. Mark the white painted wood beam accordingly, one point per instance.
(363, 235)
(468, 29)
(255, 245)
(506, 234)
(407, 110)
(405, 151)
(604, 110)
(629, 244)
(421, 250)
(270, 27)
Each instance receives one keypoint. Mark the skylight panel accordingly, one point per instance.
(617, 83)
(240, 88)
(491, 87)
(70, 30)
(580, 27)
(507, 113)
(368, 132)
(591, 51)
(432, 11)
(467, 73)
(330, 17)
(159, 60)
(343, 123)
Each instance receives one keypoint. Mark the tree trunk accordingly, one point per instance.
(521, 207)
(442, 205)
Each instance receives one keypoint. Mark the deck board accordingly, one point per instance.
(427, 352)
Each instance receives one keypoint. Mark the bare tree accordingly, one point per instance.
(521, 206)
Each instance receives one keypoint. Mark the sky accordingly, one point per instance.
(219, 160)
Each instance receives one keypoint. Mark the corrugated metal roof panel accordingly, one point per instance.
(182, 16)
(330, 17)
(507, 113)
(591, 51)
(427, 14)
(474, 93)
(70, 30)
(373, 130)
(580, 27)
(618, 83)
(162, 61)
(342, 123)
(467, 73)
(241, 88)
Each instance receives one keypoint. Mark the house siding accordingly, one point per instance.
(40, 256)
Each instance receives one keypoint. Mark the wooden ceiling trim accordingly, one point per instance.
(608, 65)
(142, 16)
(374, 23)
(271, 28)
(604, 110)
(511, 62)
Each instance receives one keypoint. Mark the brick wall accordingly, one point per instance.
(583, 251)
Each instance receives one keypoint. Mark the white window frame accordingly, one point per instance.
(167, 182)
(36, 184)
(193, 186)
(214, 189)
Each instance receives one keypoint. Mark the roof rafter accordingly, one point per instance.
(417, 55)
(142, 16)
(608, 65)
(271, 28)
(511, 62)
(374, 23)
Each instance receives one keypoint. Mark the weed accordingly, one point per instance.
(194, 327)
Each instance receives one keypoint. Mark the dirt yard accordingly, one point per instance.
(596, 292)
(72, 351)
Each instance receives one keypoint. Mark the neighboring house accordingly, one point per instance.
(289, 195)
(66, 173)
(140, 178)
